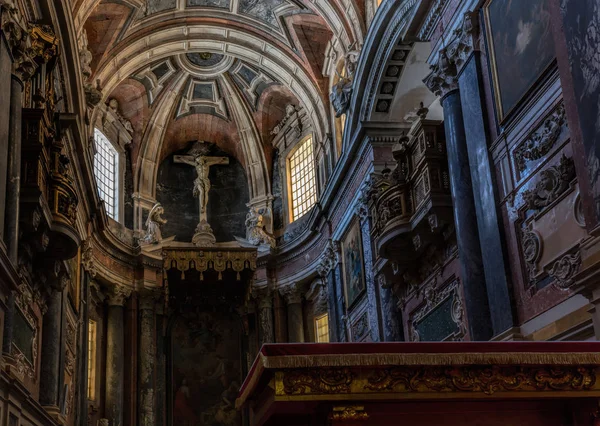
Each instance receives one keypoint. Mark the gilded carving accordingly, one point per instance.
(316, 381)
(542, 140)
(349, 413)
(485, 379)
(204, 260)
(554, 182)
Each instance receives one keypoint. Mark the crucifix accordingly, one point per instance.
(201, 183)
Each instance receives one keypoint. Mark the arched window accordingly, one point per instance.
(302, 182)
(106, 171)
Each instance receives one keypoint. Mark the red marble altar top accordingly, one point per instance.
(307, 355)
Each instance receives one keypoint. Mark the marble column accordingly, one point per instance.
(443, 82)
(115, 353)
(293, 298)
(391, 316)
(50, 368)
(265, 316)
(14, 170)
(493, 251)
(280, 319)
(147, 358)
(5, 84)
(465, 220)
(9, 316)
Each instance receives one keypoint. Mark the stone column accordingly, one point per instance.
(50, 368)
(5, 84)
(326, 270)
(264, 298)
(443, 82)
(293, 298)
(280, 319)
(115, 352)
(14, 170)
(147, 357)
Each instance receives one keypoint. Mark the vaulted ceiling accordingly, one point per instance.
(216, 70)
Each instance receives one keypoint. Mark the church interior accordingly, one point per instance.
(299, 212)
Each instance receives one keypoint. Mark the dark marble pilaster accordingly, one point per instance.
(51, 351)
(13, 189)
(147, 358)
(115, 353)
(5, 84)
(295, 318)
(280, 319)
(161, 371)
(265, 316)
(493, 251)
(82, 406)
(372, 297)
(391, 315)
(341, 319)
(465, 219)
(9, 316)
(334, 317)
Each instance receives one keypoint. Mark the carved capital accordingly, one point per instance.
(117, 295)
(329, 259)
(443, 78)
(263, 297)
(291, 293)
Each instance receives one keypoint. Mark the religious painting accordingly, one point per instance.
(206, 370)
(353, 264)
(521, 48)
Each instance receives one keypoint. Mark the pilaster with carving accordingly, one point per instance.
(264, 299)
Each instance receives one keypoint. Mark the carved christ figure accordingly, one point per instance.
(201, 183)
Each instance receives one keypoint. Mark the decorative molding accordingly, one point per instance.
(554, 181)
(542, 140)
(431, 20)
(215, 259)
(565, 269)
(346, 413)
(531, 247)
(432, 298)
(481, 379)
(360, 327)
(328, 381)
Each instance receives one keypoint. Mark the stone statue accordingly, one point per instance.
(341, 92)
(202, 164)
(85, 56)
(153, 224)
(256, 233)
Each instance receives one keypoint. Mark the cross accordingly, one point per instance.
(202, 164)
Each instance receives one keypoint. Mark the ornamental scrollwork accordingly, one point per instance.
(317, 381)
(542, 140)
(554, 182)
(485, 379)
(565, 269)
